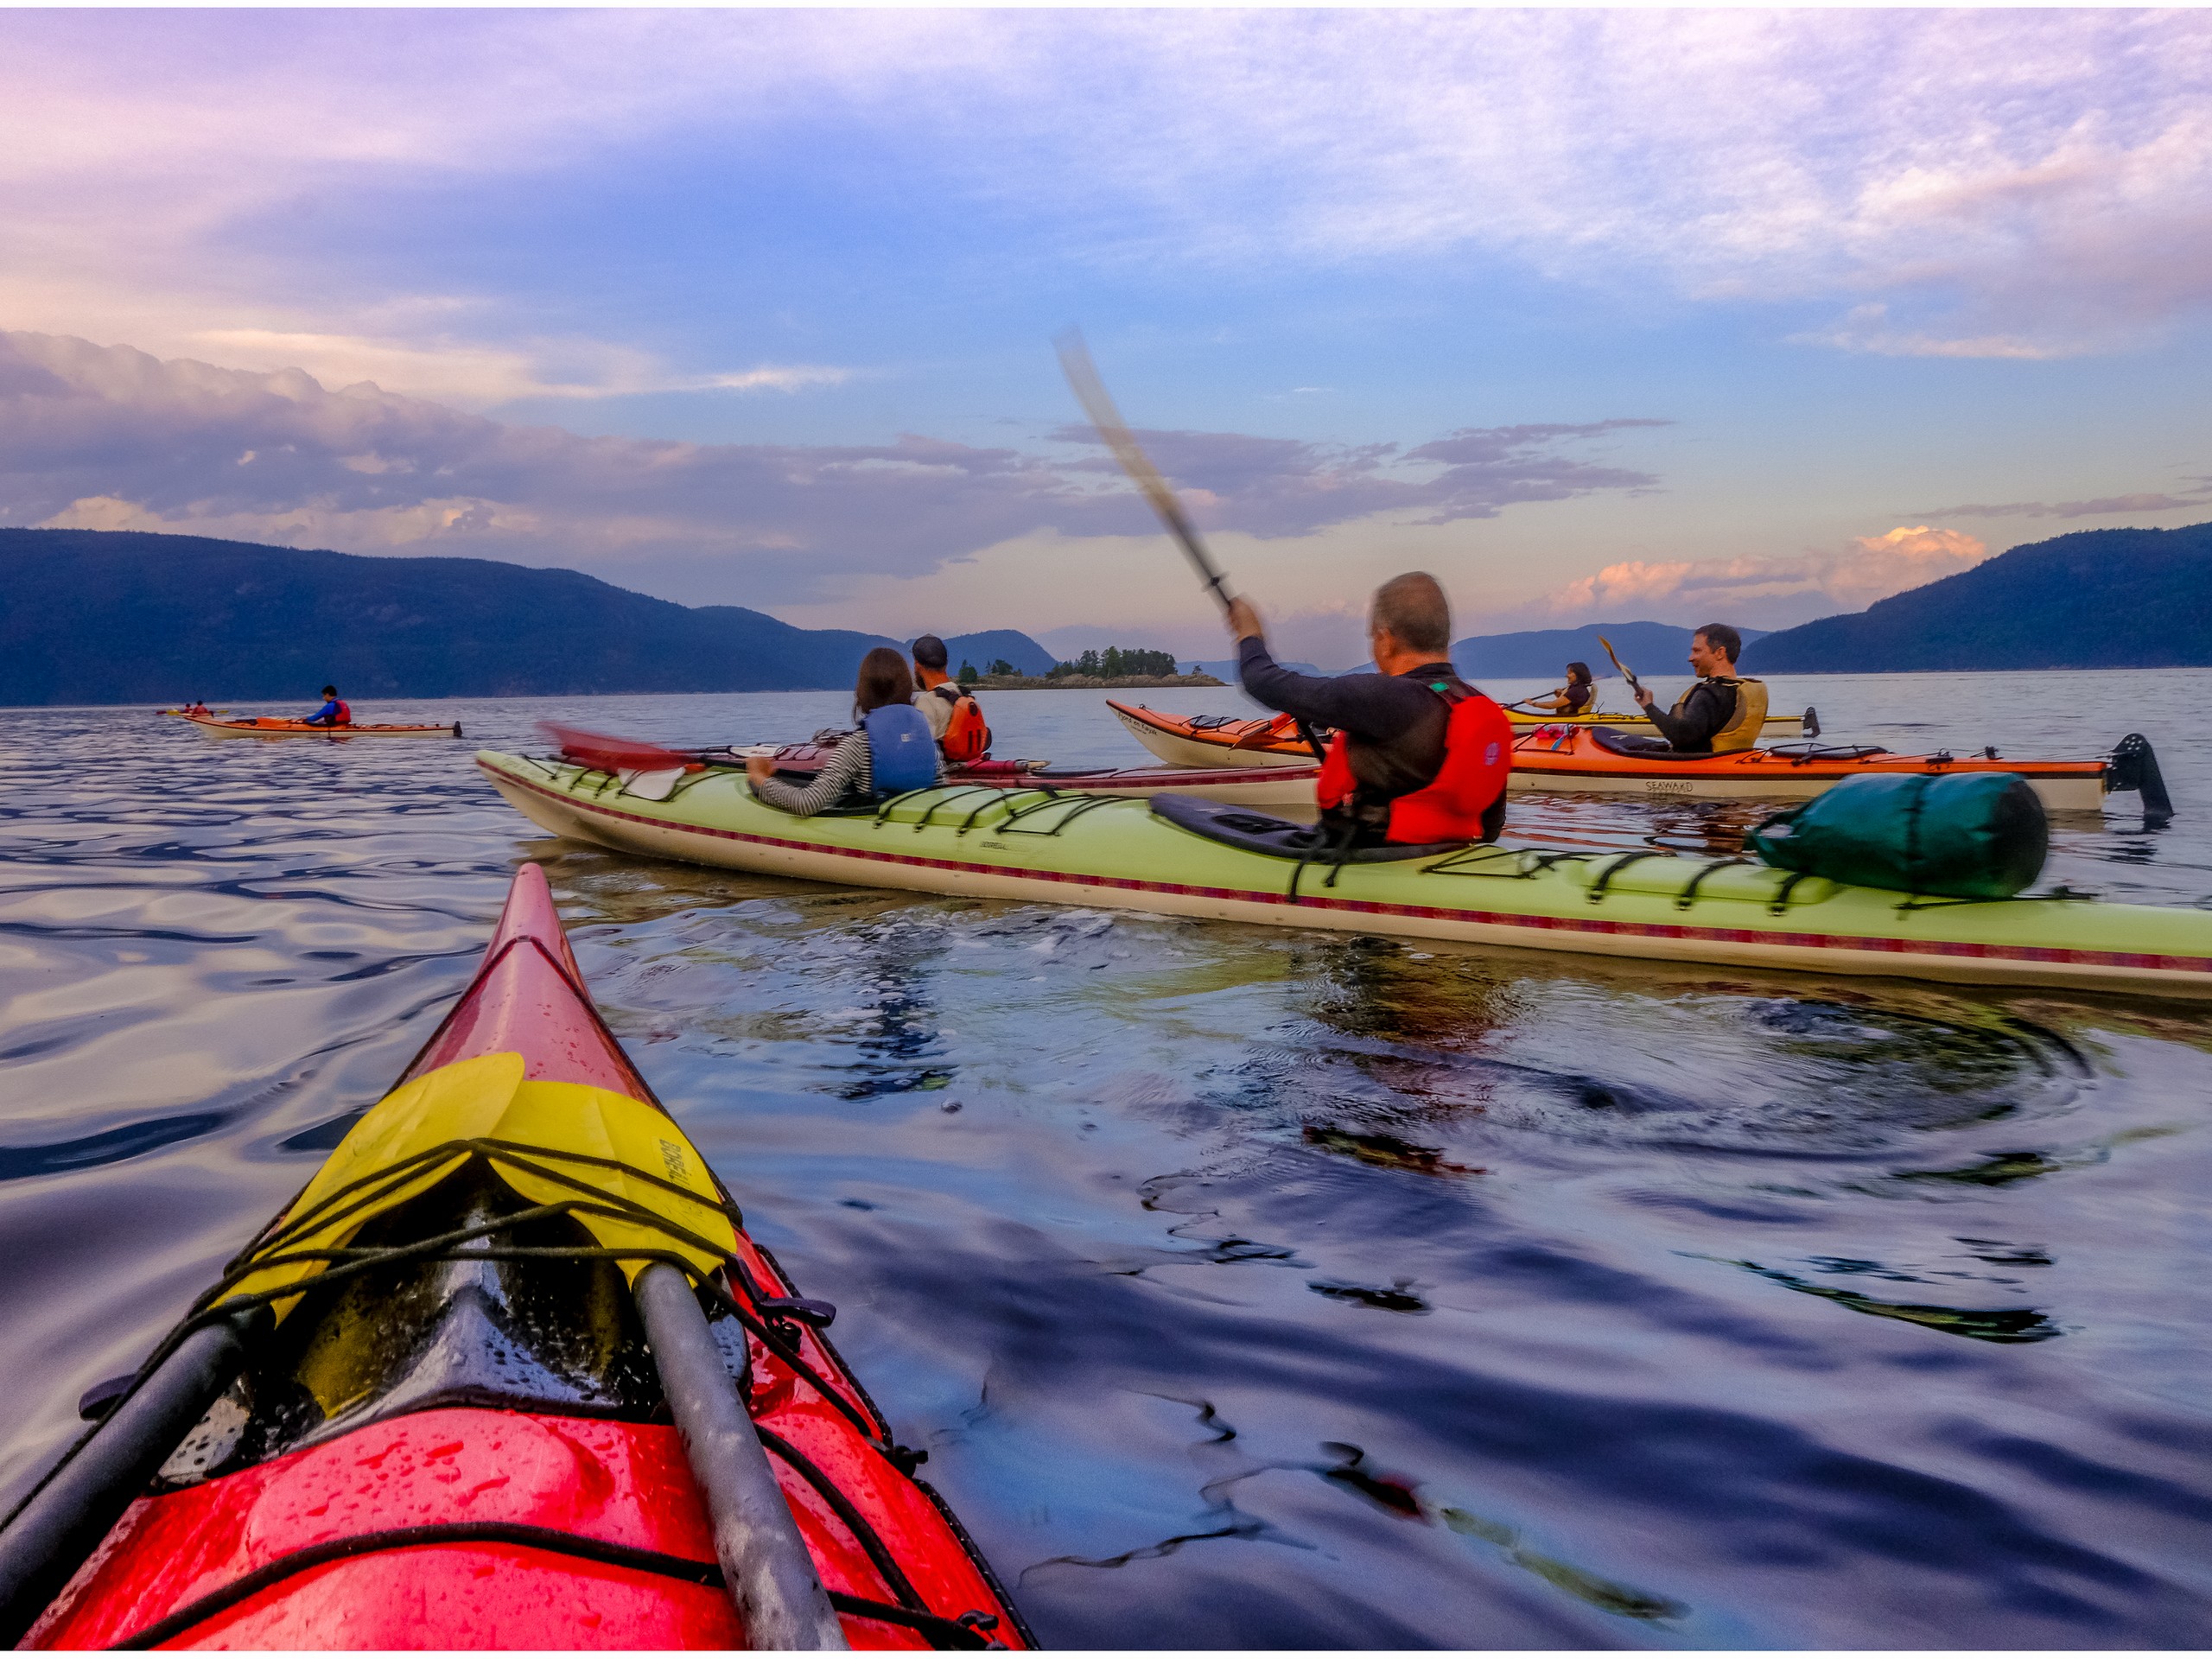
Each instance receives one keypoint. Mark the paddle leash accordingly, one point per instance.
(1091, 391)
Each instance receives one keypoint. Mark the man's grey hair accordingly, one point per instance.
(1413, 607)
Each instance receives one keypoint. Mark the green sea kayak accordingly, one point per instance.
(1125, 854)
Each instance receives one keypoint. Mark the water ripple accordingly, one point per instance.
(1248, 1287)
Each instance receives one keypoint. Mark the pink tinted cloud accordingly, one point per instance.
(1770, 590)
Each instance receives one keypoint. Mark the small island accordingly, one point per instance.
(1113, 669)
(1086, 681)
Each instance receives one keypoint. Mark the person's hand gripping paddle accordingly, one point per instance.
(1090, 393)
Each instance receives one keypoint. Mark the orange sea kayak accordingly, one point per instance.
(1229, 740)
(1561, 757)
(270, 725)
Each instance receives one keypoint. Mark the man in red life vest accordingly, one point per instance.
(1419, 756)
(333, 711)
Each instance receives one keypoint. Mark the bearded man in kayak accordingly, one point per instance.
(333, 711)
(1419, 756)
(1723, 711)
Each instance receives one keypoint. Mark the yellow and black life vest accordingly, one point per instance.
(1744, 727)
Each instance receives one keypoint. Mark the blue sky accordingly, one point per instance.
(1597, 315)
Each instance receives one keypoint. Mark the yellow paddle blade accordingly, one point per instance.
(542, 1139)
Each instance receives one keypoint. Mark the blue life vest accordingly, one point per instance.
(901, 750)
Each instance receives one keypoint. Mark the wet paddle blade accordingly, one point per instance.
(613, 754)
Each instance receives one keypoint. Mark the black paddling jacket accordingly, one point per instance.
(1692, 725)
(1398, 730)
(1397, 724)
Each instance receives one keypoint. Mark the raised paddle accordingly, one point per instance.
(1626, 672)
(1091, 391)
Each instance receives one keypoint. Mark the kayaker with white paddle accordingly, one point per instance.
(1419, 756)
(893, 752)
(1722, 712)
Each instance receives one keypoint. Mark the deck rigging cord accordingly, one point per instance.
(778, 1322)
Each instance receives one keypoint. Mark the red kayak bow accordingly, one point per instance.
(507, 1374)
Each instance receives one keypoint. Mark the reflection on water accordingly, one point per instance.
(1248, 1287)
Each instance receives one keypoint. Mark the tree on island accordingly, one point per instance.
(1116, 663)
(968, 675)
(1002, 666)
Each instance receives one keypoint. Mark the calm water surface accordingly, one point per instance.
(1248, 1287)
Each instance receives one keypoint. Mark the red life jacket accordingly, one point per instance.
(1477, 756)
(345, 714)
(967, 738)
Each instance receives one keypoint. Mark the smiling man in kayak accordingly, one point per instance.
(1722, 712)
(1419, 756)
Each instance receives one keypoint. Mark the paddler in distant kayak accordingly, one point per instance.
(333, 711)
(893, 751)
(1723, 711)
(1419, 756)
(1578, 696)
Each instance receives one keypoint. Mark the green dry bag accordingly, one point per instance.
(1969, 835)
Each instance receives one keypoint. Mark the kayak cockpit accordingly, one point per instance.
(553, 1332)
(1254, 832)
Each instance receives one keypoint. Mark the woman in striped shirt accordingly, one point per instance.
(892, 752)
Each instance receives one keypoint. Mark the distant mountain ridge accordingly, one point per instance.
(999, 644)
(1224, 668)
(2093, 599)
(122, 616)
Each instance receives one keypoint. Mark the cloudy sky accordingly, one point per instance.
(1596, 315)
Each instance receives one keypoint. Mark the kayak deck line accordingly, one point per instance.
(1279, 786)
(442, 1419)
(2189, 974)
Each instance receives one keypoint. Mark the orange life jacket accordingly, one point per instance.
(966, 736)
(1477, 757)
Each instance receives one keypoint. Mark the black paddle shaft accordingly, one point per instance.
(62, 1522)
(1099, 404)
